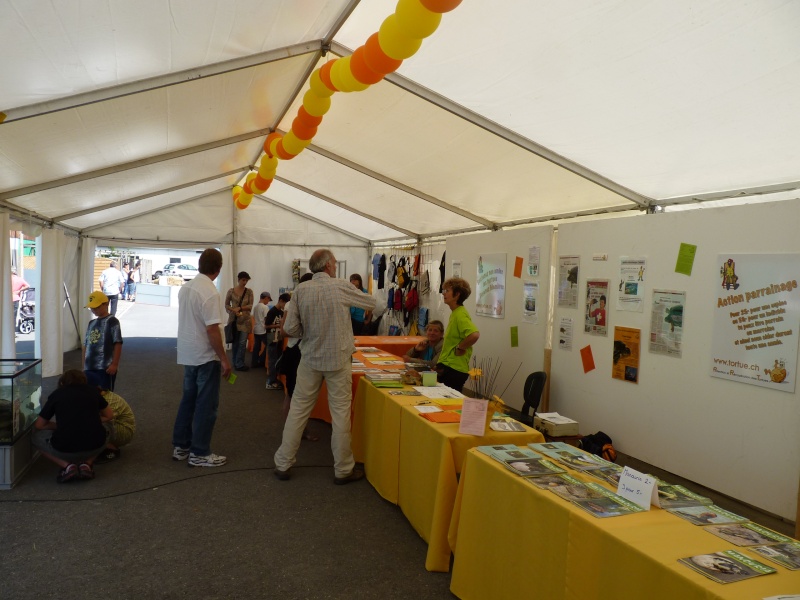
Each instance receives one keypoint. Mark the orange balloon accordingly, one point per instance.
(259, 184)
(268, 163)
(272, 136)
(283, 153)
(302, 130)
(361, 70)
(440, 6)
(376, 58)
(247, 190)
(308, 119)
(325, 74)
(240, 206)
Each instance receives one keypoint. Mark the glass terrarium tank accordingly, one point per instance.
(20, 396)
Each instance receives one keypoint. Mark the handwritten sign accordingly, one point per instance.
(473, 416)
(638, 488)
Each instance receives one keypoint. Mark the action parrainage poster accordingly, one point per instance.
(491, 293)
(756, 318)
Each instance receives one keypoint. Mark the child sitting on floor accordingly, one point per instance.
(83, 423)
(124, 427)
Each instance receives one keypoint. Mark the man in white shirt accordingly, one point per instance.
(201, 351)
(112, 282)
(319, 313)
(257, 359)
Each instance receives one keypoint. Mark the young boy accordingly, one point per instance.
(102, 347)
(124, 427)
(80, 430)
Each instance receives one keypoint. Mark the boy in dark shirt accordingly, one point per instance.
(102, 347)
(79, 433)
(275, 341)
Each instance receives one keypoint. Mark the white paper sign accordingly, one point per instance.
(473, 416)
(638, 487)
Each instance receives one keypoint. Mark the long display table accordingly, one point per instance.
(512, 540)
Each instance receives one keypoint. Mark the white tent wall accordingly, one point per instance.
(86, 283)
(495, 339)
(7, 316)
(50, 247)
(71, 310)
(739, 439)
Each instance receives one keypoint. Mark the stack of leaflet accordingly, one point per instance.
(521, 461)
(385, 379)
(591, 497)
(571, 456)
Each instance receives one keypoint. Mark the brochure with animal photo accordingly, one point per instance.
(608, 506)
(786, 554)
(506, 424)
(573, 489)
(532, 467)
(707, 515)
(675, 496)
(747, 534)
(610, 474)
(506, 452)
(545, 482)
(570, 456)
(726, 566)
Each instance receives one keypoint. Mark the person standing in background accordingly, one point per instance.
(123, 290)
(111, 283)
(201, 351)
(260, 311)
(17, 285)
(133, 279)
(275, 344)
(102, 346)
(359, 317)
(239, 303)
(460, 336)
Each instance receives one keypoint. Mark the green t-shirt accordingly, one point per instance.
(459, 326)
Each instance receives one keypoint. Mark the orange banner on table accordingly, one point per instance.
(518, 267)
(446, 416)
(587, 358)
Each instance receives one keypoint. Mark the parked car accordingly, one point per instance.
(185, 272)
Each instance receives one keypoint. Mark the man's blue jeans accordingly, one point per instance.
(197, 412)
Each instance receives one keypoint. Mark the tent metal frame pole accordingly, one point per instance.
(160, 81)
(142, 162)
(401, 186)
(741, 193)
(294, 211)
(330, 200)
(176, 188)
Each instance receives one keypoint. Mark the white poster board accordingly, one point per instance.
(490, 300)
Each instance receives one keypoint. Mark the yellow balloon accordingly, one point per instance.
(350, 81)
(394, 43)
(257, 189)
(293, 144)
(414, 20)
(319, 88)
(314, 105)
(250, 176)
(267, 164)
(273, 146)
(337, 76)
(237, 189)
(245, 199)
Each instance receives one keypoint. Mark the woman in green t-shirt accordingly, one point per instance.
(461, 335)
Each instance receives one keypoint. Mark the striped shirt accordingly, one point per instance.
(319, 313)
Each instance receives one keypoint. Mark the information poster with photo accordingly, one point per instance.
(596, 317)
(626, 354)
(490, 300)
(565, 333)
(533, 261)
(756, 319)
(666, 322)
(530, 302)
(631, 284)
(456, 269)
(568, 267)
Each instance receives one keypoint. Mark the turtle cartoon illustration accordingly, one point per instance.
(674, 317)
(728, 273)
(777, 373)
(572, 276)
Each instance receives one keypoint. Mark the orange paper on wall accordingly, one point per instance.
(587, 358)
(518, 267)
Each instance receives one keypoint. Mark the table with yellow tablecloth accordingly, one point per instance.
(512, 540)
(394, 344)
(414, 463)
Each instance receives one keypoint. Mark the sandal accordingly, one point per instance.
(67, 474)
(86, 471)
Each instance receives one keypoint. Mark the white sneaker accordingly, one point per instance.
(180, 453)
(211, 460)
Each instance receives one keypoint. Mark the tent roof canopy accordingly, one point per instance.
(510, 113)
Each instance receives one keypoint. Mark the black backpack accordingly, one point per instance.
(599, 444)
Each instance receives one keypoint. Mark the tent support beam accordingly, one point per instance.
(143, 162)
(508, 135)
(310, 218)
(310, 192)
(401, 186)
(731, 194)
(103, 207)
(151, 210)
(161, 81)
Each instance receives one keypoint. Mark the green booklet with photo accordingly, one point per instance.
(504, 452)
(786, 554)
(726, 566)
(570, 456)
(747, 534)
(707, 515)
(532, 467)
(675, 496)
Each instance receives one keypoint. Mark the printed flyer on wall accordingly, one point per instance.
(530, 302)
(533, 261)
(568, 281)
(490, 300)
(595, 320)
(756, 318)
(626, 354)
(631, 283)
(565, 334)
(666, 322)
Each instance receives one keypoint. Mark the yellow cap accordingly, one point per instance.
(96, 299)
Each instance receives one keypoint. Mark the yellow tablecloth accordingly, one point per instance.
(395, 344)
(414, 463)
(512, 540)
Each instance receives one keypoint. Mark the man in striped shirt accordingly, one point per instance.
(319, 314)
